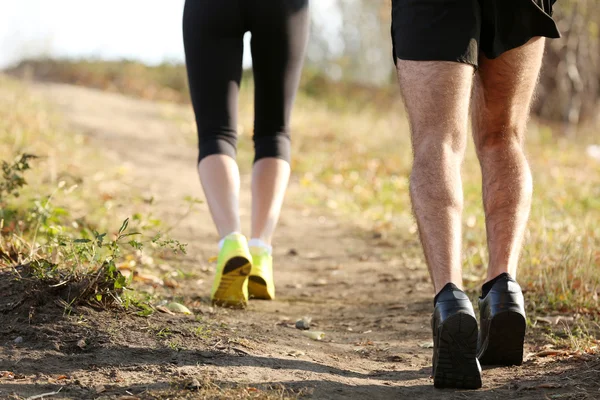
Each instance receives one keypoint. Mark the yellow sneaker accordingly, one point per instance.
(230, 287)
(260, 283)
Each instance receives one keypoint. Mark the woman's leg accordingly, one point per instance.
(279, 36)
(213, 34)
(213, 39)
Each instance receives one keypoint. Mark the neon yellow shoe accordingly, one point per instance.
(261, 284)
(230, 287)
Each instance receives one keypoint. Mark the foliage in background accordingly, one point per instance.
(168, 82)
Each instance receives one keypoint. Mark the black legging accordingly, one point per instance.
(213, 33)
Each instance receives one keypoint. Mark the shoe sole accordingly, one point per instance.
(235, 276)
(456, 362)
(257, 289)
(504, 342)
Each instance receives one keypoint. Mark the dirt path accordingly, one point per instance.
(360, 289)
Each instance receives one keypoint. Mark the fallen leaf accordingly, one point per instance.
(252, 389)
(554, 320)
(547, 353)
(296, 353)
(171, 283)
(241, 351)
(165, 310)
(314, 335)
(100, 388)
(148, 279)
(126, 266)
(426, 345)
(194, 384)
(178, 308)
(7, 374)
(61, 377)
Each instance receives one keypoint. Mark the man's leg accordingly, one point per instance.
(436, 95)
(503, 91)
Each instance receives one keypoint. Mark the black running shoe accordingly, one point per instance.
(454, 326)
(502, 318)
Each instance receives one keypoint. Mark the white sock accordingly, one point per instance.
(222, 241)
(260, 244)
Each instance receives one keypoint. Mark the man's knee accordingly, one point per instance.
(440, 143)
(500, 139)
(436, 171)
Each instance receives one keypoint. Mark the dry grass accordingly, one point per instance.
(208, 389)
(357, 163)
(353, 157)
(351, 153)
(49, 227)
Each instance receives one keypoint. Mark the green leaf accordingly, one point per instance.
(100, 238)
(129, 234)
(120, 282)
(99, 297)
(178, 308)
(124, 226)
(81, 241)
(135, 244)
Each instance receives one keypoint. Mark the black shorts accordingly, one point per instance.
(461, 30)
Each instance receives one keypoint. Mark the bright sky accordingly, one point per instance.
(148, 30)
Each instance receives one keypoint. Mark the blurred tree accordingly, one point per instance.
(352, 42)
(569, 88)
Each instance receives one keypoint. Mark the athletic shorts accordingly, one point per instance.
(462, 30)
